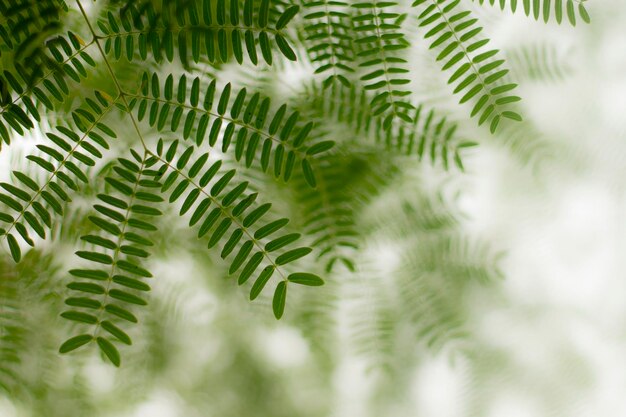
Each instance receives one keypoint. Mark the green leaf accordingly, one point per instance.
(280, 296)
(270, 228)
(116, 331)
(260, 282)
(120, 312)
(284, 47)
(95, 257)
(80, 317)
(109, 350)
(286, 17)
(304, 278)
(292, 255)
(14, 247)
(75, 342)
(281, 242)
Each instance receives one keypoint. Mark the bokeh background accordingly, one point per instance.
(546, 337)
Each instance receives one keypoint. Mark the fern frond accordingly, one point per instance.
(26, 204)
(26, 24)
(11, 330)
(428, 136)
(329, 41)
(330, 212)
(539, 62)
(127, 216)
(209, 29)
(419, 302)
(282, 143)
(33, 86)
(380, 40)
(232, 216)
(477, 74)
(545, 8)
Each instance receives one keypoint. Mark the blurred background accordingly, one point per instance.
(507, 298)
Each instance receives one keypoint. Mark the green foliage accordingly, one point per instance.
(115, 275)
(476, 73)
(539, 63)
(380, 40)
(329, 43)
(546, 8)
(283, 144)
(208, 29)
(233, 215)
(157, 146)
(429, 136)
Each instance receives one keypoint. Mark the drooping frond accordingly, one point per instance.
(418, 302)
(26, 87)
(115, 276)
(211, 30)
(329, 41)
(27, 204)
(11, 330)
(234, 215)
(539, 62)
(240, 122)
(379, 44)
(25, 298)
(25, 26)
(477, 74)
(429, 136)
(330, 211)
(546, 8)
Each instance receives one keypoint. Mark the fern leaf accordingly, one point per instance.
(544, 9)
(26, 204)
(66, 59)
(330, 211)
(211, 30)
(232, 220)
(282, 144)
(26, 26)
(476, 74)
(115, 277)
(328, 39)
(380, 40)
(429, 136)
(539, 62)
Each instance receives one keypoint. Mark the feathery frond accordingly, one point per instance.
(546, 8)
(476, 74)
(126, 220)
(328, 34)
(208, 29)
(379, 45)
